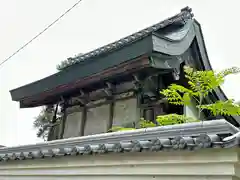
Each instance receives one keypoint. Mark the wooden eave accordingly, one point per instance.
(171, 37)
(96, 62)
(54, 95)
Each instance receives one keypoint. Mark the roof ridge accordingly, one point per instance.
(185, 14)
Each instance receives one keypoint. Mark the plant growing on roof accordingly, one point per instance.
(68, 62)
(201, 84)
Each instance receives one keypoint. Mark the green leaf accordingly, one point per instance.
(178, 95)
(171, 119)
(204, 82)
(146, 123)
(222, 108)
(186, 99)
(119, 128)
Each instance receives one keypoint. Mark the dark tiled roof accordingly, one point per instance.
(157, 144)
(176, 137)
(183, 16)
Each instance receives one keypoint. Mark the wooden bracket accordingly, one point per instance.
(137, 82)
(176, 73)
(82, 101)
(109, 85)
(82, 93)
(136, 78)
(62, 99)
(109, 89)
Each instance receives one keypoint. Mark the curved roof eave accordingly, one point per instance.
(191, 31)
(219, 94)
(174, 43)
(42, 85)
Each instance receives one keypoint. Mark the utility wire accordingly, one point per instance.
(35, 37)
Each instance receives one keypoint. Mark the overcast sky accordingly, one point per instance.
(91, 24)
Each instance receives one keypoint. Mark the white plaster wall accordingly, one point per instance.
(56, 132)
(191, 110)
(125, 112)
(73, 124)
(97, 120)
(209, 164)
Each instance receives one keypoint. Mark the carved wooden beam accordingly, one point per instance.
(81, 100)
(153, 79)
(104, 93)
(137, 82)
(99, 102)
(109, 85)
(82, 93)
(109, 89)
(136, 78)
(124, 95)
(62, 99)
(176, 73)
(154, 103)
(121, 69)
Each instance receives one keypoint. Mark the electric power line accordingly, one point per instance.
(45, 29)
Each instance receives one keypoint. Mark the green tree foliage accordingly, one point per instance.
(146, 123)
(44, 121)
(201, 84)
(171, 119)
(223, 108)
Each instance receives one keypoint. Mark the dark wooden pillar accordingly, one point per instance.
(111, 113)
(63, 120)
(83, 121)
(138, 94)
(53, 127)
(139, 110)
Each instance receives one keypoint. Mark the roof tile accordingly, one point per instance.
(177, 143)
(183, 16)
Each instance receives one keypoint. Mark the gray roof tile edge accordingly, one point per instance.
(149, 139)
(183, 16)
